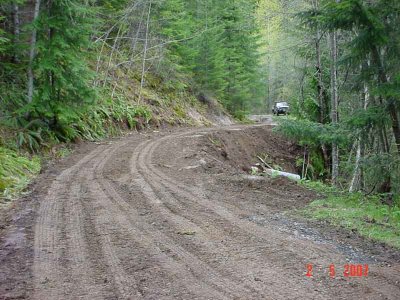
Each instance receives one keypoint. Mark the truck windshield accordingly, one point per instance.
(282, 104)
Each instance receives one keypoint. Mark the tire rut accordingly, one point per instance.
(150, 238)
(296, 253)
(195, 199)
(100, 238)
(168, 211)
(177, 213)
(49, 243)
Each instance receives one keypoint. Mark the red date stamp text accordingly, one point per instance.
(348, 270)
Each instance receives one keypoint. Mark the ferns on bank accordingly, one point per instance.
(15, 172)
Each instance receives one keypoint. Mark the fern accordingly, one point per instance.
(15, 172)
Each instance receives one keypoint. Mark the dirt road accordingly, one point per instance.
(266, 119)
(169, 215)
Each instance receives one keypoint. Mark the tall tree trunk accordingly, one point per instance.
(206, 58)
(135, 40)
(320, 84)
(334, 104)
(17, 28)
(32, 52)
(145, 52)
(356, 181)
(321, 93)
(110, 58)
(391, 103)
(395, 122)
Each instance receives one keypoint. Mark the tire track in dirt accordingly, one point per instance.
(80, 265)
(270, 271)
(75, 279)
(180, 215)
(325, 254)
(48, 244)
(48, 266)
(197, 279)
(168, 208)
(92, 242)
(197, 197)
(125, 286)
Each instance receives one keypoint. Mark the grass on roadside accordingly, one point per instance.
(355, 211)
(15, 173)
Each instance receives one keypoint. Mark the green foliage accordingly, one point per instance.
(200, 48)
(3, 39)
(109, 117)
(309, 109)
(15, 172)
(29, 135)
(117, 112)
(242, 58)
(320, 187)
(366, 214)
(377, 167)
(210, 67)
(312, 134)
(240, 115)
(112, 6)
(63, 78)
(314, 165)
(366, 119)
(216, 47)
(178, 25)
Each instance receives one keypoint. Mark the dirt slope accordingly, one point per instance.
(172, 216)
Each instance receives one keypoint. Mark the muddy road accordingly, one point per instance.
(172, 215)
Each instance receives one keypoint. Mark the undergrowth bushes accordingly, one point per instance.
(106, 118)
(37, 132)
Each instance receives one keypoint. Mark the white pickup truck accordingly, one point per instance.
(280, 108)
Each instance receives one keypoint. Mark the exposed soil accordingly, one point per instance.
(238, 149)
(174, 215)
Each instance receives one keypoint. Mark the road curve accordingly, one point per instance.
(128, 221)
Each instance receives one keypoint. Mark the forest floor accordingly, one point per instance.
(174, 215)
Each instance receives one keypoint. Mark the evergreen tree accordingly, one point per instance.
(241, 54)
(12, 67)
(209, 71)
(217, 44)
(62, 75)
(375, 46)
(178, 28)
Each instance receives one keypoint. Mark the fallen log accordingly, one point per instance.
(273, 172)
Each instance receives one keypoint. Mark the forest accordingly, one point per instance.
(141, 157)
(344, 86)
(80, 70)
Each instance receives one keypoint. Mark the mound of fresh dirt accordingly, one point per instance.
(225, 157)
(238, 148)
